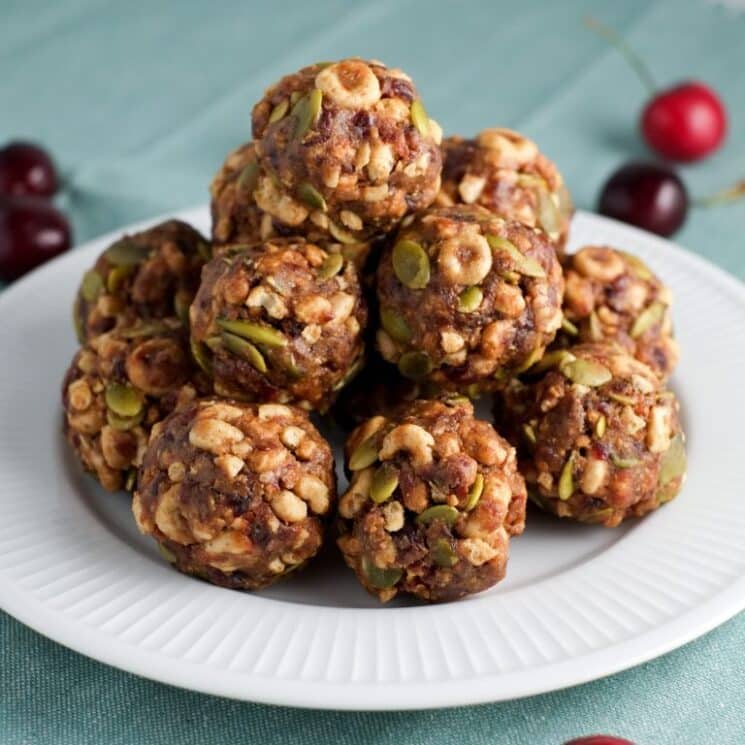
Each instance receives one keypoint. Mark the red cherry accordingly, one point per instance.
(647, 195)
(684, 123)
(599, 740)
(26, 170)
(31, 232)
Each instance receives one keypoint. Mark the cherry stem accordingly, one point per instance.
(724, 196)
(634, 60)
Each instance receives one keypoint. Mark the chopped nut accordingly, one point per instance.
(214, 435)
(289, 507)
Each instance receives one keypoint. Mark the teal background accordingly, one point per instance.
(139, 102)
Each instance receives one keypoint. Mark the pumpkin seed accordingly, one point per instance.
(647, 318)
(353, 371)
(414, 365)
(553, 359)
(364, 455)
(204, 249)
(201, 356)
(380, 578)
(342, 235)
(91, 286)
(331, 266)
(384, 483)
(637, 265)
(279, 111)
(126, 253)
(674, 461)
(596, 328)
(245, 350)
(167, 554)
(532, 358)
(253, 332)
(510, 277)
(443, 512)
(586, 372)
(470, 299)
(600, 426)
(77, 321)
(569, 327)
(395, 325)
(181, 307)
(549, 217)
(621, 398)
(411, 264)
(524, 264)
(123, 400)
(311, 196)
(443, 554)
(475, 492)
(123, 423)
(129, 482)
(116, 277)
(419, 117)
(249, 178)
(529, 433)
(621, 462)
(306, 112)
(566, 479)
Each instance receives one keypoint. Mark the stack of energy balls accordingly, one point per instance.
(363, 268)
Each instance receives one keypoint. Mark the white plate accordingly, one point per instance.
(579, 602)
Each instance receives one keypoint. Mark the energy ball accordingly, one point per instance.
(236, 493)
(238, 219)
(282, 322)
(433, 499)
(149, 275)
(613, 296)
(117, 387)
(346, 147)
(599, 435)
(506, 173)
(467, 298)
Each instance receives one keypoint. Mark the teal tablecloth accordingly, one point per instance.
(139, 101)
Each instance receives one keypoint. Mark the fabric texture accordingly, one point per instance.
(140, 101)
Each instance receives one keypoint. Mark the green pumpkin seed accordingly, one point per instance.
(569, 327)
(201, 356)
(91, 286)
(549, 217)
(352, 373)
(475, 492)
(637, 265)
(411, 264)
(380, 578)
(123, 400)
(384, 483)
(123, 423)
(566, 479)
(596, 328)
(181, 307)
(253, 332)
(117, 276)
(565, 201)
(414, 365)
(443, 512)
(553, 359)
(245, 350)
(598, 516)
(167, 554)
(312, 197)
(395, 325)
(647, 318)
(622, 399)
(600, 426)
(510, 277)
(342, 235)
(529, 433)
(131, 479)
(77, 321)
(534, 357)
(126, 253)
(470, 299)
(674, 461)
(306, 111)
(524, 264)
(586, 372)
(621, 462)
(249, 178)
(331, 266)
(419, 117)
(204, 249)
(279, 111)
(364, 455)
(443, 554)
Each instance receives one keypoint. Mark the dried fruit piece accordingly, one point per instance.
(411, 264)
